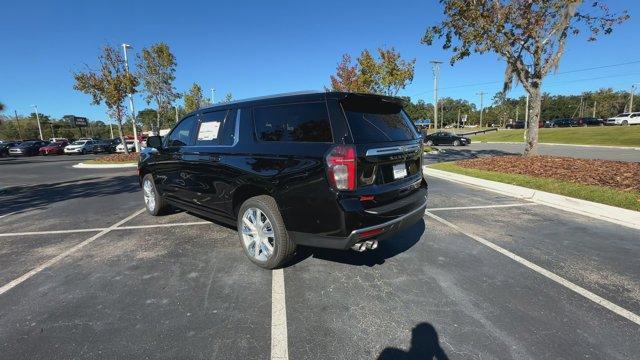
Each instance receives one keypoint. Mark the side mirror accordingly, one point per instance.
(154, 142)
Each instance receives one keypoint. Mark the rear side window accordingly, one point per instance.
(216, 128)
(307, 122)
(182, 133)
(375, 120)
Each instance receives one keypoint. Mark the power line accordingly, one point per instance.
(559, 73)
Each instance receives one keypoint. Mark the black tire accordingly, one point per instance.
(161, 205)
(624, 123)
(456, 143)
(84, 152)
(283, 247)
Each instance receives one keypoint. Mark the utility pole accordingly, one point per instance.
(133, 111)
(176, 114)
(213, 96)
(40, 127)
(517, 110)
(594, 109)
(111, 129)
(435, 65)
(53, 134)
(15, 112)
(481, 93)
(458, 118)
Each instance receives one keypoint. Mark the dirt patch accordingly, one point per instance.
(620, 175)
(116, 159)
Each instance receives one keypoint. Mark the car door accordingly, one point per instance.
(211, 179)
(168, 167)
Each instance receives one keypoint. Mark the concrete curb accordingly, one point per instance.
(556, 144)
(104, 166)
(616, 215)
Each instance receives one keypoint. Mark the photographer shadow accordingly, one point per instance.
(424, 345)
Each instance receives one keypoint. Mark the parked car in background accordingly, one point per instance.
(104, 146)
(446, 138)
(56, 148)
(625, 119)
(555, 123)
(130, 145)
(4, 147)
(515, 125)
(589, 121)
(325, 169)
(58, 139)
(27, 148)
(79, 147)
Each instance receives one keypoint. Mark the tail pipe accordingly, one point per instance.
(365, 245)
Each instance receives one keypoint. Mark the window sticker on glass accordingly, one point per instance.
(209, 130)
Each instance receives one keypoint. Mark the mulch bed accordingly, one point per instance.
(120, 158)
(621, 175)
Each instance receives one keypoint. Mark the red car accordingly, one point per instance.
(54, 148)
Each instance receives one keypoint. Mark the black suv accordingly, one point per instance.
(325, 169)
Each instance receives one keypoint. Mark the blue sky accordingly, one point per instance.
(264, 47)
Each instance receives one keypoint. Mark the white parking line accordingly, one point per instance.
(544, 272)
(102, 229)
(52, 232)
(50, 262)
(163, 225)
(279, 342)
(482, 207)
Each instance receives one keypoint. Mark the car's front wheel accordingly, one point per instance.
(153, 202)
(456, 143)
(262, 233)
(624, 123)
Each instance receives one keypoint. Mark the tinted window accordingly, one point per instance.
(181, 134)
(373, 120)
(307, 122)
(216, 128)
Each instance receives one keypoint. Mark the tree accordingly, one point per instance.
(386, 75)
(194, 100)
(530, 35)
(1, 107)
(227, 98)
(157, 73)
(109, 85)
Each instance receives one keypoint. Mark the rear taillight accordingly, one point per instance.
(341, 167)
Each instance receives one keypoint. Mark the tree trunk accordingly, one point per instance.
(157, 132)
(121, 131)
(531, 144)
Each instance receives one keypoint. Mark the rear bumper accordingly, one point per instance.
(388, 227)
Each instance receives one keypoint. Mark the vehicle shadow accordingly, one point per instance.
(387, 248)
(22, 198)
(455, 154)
(424, 345)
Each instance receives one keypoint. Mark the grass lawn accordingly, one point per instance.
(600, 194)
(597, 135)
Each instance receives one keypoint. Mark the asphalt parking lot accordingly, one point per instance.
(85, 273)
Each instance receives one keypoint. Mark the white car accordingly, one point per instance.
(625, 119)
(130, 145)
(79, 147)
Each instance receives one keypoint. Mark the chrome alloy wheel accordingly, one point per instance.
(257, 234)
(149, 195)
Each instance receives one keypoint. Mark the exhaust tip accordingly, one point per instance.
(359, 247)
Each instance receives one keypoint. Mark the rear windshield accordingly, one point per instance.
(374, 120)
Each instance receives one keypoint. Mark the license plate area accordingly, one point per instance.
(399, 171)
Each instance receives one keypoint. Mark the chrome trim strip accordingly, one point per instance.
(392, 150)
(390, 222)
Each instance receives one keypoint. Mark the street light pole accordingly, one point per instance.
(213, 96)
(133, 111)
(435, 65)
(481, 93)
(633, 90)
(40, 127)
